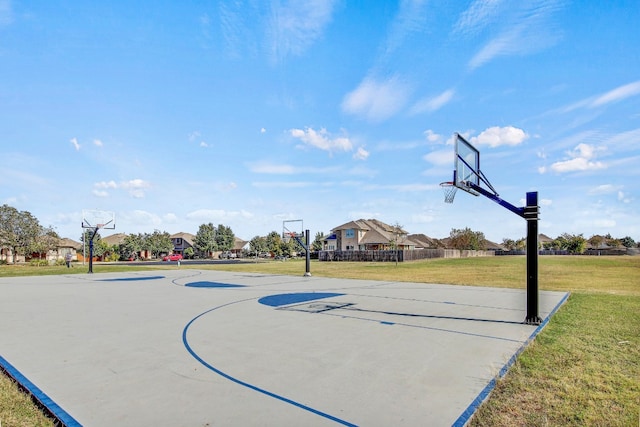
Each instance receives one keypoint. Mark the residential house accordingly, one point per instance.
(181, 242)
(423, 241)
(370, 234)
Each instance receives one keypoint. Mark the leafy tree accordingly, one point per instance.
(317, 242)
(225, 239)
(274, 243)
(99, 247)
(397, 233)
(509, 244)
(158, 242)
(46, 241)
(575, 244)
(131, 246)
(627, 242)
(596, 240)
(205, 240)
(19, 230)
(258, 245)
(466, 239)
(189, 252)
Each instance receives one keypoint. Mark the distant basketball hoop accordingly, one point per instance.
(449, 189)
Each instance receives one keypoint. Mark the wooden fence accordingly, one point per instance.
(390, 256)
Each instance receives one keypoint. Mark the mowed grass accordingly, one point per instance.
(583, 369)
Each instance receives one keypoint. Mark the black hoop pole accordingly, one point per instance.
(531, 214)
(91, 249)
(308, 251)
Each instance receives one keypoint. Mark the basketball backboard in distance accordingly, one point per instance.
(292, 228)
(95, 218)
(466, 168)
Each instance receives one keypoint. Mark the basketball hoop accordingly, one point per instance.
(449, 190)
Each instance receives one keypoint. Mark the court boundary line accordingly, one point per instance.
(468, 413)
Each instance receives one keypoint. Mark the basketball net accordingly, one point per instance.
(449, 191)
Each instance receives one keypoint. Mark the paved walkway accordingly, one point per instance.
(205, 348)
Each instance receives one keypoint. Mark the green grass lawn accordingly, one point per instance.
(583, 369)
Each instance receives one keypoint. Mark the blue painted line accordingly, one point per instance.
(465, 417)
(295, 298)
(245, 384)
(52, 407)
(131, 279)
(206, 284)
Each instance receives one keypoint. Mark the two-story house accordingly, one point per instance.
(368, 234)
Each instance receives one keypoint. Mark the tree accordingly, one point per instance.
(466, 239)
(225, 239)
(131, 246)
(19, 230)
(47, 240)
(397, 233)
(189, 252)
(509, 244)
(575, 244)
(274, 242)
(258, 245)
(99, 247)
(205, 240)
(158, 242)
(317, 242)
(627, 242)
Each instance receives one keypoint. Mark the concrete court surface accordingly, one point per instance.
(209, 348)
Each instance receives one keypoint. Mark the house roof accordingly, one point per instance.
(69, 243)
(239, 244)
(114, 239)
(376, 232)
(188, 237)
(423, 241)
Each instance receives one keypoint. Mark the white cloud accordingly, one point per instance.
(497, 136)
(97, 143)
(515, 28)
(582, 160)
(263, 130)
(617, 94)
(624, 198)
(604, 189)
(74, 142)
(194, 135)
(136, 187)
(361, 154)
(376, 100)
(440, 157)
(106, 184)
(170, 218)
(143, 218)
(295, 26)
(322, 139)
(432, 137)
(203, 144)
(434, 103)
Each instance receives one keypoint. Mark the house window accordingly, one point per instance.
(178, 241)
(350, 233)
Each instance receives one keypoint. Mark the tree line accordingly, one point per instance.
(21, 232)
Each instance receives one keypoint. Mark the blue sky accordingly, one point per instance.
(248, 113)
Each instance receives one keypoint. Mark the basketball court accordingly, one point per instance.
(201, 348)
